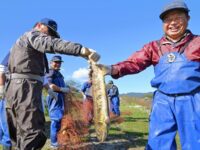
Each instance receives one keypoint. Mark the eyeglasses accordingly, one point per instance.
(176, 19)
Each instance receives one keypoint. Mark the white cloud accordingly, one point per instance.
(81, 74)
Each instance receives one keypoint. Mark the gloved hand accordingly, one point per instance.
(84, 97)
(65, 89)
(2, 92)
(53, 94)
(3, 68)
(107, 70)
(89, 54)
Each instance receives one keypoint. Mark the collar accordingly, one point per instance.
(165, 41)
(57, 70)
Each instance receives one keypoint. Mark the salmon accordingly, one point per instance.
(100, 102)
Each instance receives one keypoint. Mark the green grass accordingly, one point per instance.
(135, 125)
(137, 121)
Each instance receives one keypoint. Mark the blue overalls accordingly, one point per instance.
(88, 112)
(4, 133)
(113, 94)
(176, 103)
(56, 107)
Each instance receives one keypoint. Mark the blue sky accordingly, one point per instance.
(114, 28)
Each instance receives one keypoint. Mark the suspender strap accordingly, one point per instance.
(159, 48)
(186, 44)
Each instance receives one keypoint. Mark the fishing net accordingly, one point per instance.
(74, 125)
(76, 122)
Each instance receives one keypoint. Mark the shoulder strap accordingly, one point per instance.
(159, 48)
(186, 44)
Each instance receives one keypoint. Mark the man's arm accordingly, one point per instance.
(2, 81)
(136, 63)
(56, 88)
(48, 44)
(49, 90)
(83, 89)
(3, 70)
(53, 86)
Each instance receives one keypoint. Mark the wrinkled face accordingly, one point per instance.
(175, 24)
(56, 65)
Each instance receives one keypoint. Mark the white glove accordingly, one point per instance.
(53, 94)
(3, 68)
(94, 55)
(90, 54)
(84, 97)
(65, 89)
(2, 92)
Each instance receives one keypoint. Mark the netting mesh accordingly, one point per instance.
(76, 121)
(73, 125)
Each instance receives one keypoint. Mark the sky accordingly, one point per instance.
(114, 28)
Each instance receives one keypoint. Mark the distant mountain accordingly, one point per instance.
(139, 95)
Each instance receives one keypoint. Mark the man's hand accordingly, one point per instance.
(84, 97)
(2, 92)
(107, 70)
(65, 89)
(52, 94)
(90, 54)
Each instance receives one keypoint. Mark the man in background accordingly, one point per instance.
(86, 91)
(56, 106)
(4, 133)
(113, 94)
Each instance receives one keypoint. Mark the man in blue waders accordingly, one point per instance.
(113, 94)
(4, 133)
(56, 106)
(176, 61)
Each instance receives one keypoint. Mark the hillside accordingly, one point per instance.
(137, 95)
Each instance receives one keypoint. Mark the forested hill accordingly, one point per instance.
(139, 95)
